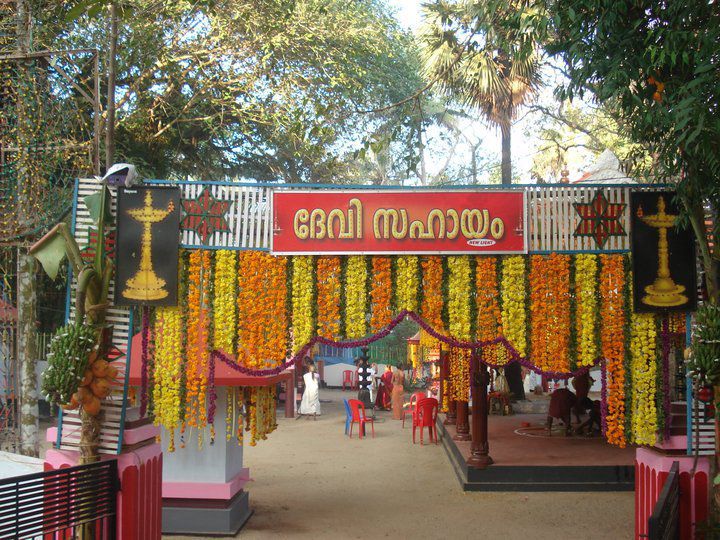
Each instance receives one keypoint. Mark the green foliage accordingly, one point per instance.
(260, 90)
(704, 363)
(656, 64)
(480, 63)
(572, 136)
(68, 358)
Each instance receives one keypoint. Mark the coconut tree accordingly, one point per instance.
(471, 60)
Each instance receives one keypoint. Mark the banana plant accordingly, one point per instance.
(91, 303)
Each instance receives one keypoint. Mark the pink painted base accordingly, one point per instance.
(651, 470)
(140, 499)
(206, 490)
(675, 442)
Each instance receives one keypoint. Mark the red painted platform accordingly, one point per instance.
(512, 444)
(526, 459)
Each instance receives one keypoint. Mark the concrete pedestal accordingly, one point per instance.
(203, 488)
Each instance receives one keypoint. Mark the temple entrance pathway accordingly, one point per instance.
(314, 482)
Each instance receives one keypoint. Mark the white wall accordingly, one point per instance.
(334, 373)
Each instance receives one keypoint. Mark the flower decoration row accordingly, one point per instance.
(559, 312)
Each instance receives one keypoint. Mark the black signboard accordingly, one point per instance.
(148, 239)
(664, 271)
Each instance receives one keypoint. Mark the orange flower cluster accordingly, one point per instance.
(198, 353)
(677, 323)
(489, 315)
(328, 297)
(262, 314)
(612, 342)
(460, 373)
(381, 293)
(550, 311)
(432, 301)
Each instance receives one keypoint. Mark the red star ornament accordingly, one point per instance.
(600, 219)
(205, 215)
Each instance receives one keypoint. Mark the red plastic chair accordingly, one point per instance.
(348, 379)
(427, 409)
(360, 418)
(417, 396)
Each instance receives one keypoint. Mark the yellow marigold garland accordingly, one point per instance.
(381, 293)
(612, 341)
(167, 374)
(407, 282)
(355, 297)
(328, 297)
(262, 320)
(587, 308)
(643, 363)
(224, 300)
(459, 297)
(303, 292)
(514, 317)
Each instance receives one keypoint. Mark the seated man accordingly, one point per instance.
(562, 401)
(594, 418)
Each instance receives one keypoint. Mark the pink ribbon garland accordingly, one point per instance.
(144, 361)
(515, 356)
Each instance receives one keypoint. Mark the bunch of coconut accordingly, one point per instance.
(95, 385)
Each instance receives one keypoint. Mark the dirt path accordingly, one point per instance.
(311, 481)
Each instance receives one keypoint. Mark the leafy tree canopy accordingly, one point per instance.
(260, 90)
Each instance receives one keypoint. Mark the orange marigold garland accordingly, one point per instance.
(612, 343)
(198, 352)
(381, 293)
(460, 373)
(488, 314)
(550, 311)
(262, 330)
(328, 297)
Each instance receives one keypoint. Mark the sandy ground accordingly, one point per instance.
(311, 481)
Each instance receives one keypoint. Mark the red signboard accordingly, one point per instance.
(361, 221)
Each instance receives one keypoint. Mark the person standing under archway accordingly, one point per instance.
(397, 395)
(385, 387)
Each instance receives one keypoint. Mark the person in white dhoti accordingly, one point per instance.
(310, 404)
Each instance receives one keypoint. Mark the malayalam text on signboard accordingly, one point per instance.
(355, 221)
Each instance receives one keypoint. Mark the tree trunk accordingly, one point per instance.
(27, 354)
(112, 74)
(506, 166)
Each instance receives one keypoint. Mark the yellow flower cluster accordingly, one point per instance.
(407, 282)
(428, 343)
(586, 318)
(225, 300)
(262, 412)
(168, 365)
(355, 297)
(303, 289)
(514, 316)
(643, 364)
(459, 297)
